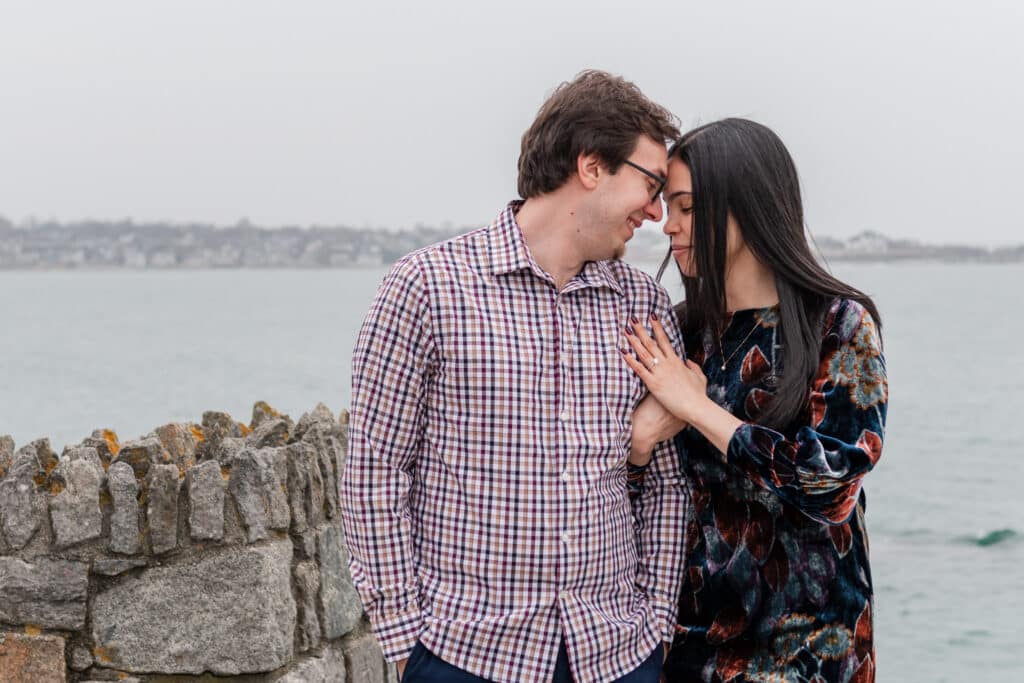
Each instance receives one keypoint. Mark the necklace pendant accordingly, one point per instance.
(771, 381)
(723, 367)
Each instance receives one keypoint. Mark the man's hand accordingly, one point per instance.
(652, 424)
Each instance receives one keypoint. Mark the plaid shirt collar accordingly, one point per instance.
(508, 253)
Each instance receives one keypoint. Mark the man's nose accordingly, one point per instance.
(653, 209)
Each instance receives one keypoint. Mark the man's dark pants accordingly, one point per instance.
(426, 667)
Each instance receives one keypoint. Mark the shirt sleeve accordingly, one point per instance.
(820, 470)
(392, 367)
(661, 507)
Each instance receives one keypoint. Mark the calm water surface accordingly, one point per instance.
(134, 350)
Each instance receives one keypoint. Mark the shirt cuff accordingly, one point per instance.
(398, 633)
(666, 614)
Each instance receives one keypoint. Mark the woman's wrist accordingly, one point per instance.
(703, 412)
(716, 423)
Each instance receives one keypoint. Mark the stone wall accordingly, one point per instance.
(198, 552)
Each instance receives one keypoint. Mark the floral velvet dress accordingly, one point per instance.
(777, 584)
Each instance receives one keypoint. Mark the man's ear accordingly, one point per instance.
(589, 169)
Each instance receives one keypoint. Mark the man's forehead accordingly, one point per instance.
(653, 154)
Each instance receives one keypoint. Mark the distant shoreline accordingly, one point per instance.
(159, 246)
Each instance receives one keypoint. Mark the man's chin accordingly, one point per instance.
(615, 254)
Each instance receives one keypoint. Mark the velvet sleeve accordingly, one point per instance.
(821, 468)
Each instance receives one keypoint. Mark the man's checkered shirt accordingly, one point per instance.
(484, 496)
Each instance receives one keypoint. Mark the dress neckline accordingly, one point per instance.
(749, 311)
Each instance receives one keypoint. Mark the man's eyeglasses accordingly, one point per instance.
(653, 176)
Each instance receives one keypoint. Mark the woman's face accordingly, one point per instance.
(678, 226)
(678, 195)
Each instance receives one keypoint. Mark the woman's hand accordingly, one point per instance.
(652, 424)
(679, 385)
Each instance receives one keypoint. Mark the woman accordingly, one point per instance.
(784, 393)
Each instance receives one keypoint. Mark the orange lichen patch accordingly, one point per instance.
(102, 655)
(261, 411)
(245, 429)
(197, 433)
(266, 408)
(110, 436)
(40, 480)
(225, 473)
(179, 443)
(56, 487)
(32, 630)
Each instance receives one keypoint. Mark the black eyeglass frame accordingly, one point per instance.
(662, 181)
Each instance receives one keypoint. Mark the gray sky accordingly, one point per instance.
(902, 117)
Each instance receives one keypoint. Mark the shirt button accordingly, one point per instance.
(566, 476)
(566, 537)
(563, 595)
(564, 416)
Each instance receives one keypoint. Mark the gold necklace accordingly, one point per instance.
(721, 351)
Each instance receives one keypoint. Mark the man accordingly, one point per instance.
(484, 495)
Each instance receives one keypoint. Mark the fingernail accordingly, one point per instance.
(654, 316)
(636, 321)
(629, 331)
(623, 351)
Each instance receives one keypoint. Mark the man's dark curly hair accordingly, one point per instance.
(594, 113)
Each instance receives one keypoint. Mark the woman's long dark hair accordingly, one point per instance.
(741, 168)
